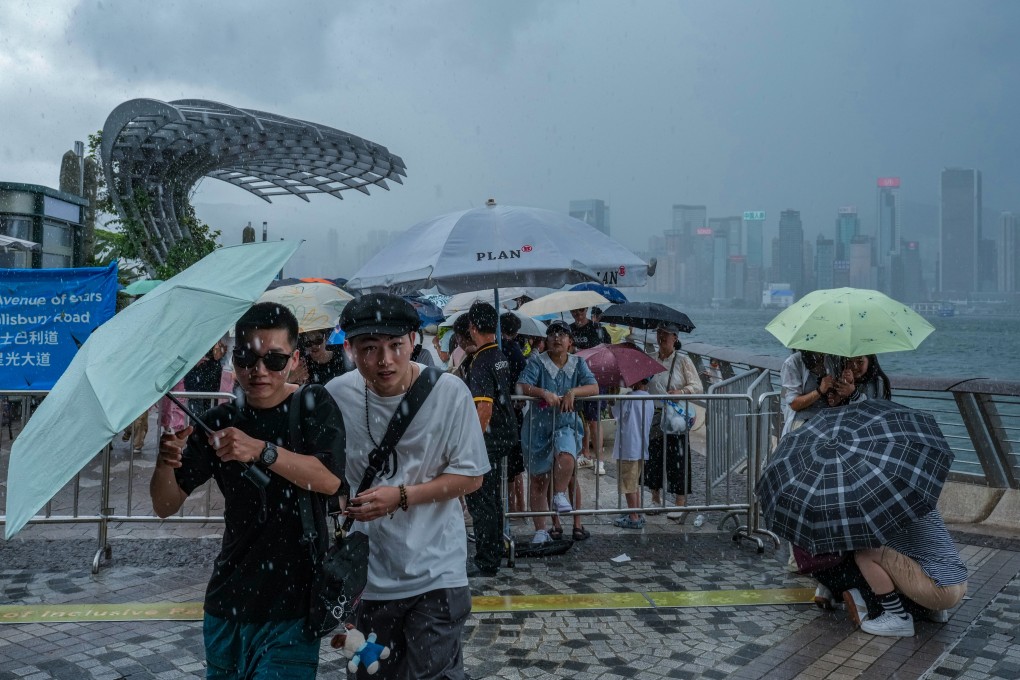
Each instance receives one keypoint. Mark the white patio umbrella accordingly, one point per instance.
(498, 245)
(562, 301)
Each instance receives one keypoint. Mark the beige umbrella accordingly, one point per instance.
(562, 301)
(317, 306)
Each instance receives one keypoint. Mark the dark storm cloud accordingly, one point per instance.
(737, 105)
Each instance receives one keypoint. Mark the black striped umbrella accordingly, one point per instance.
(854, 476)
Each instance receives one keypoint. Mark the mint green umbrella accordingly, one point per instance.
(128, 363)
(141, 287)
(849, 322)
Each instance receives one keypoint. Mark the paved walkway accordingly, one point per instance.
(50, 564)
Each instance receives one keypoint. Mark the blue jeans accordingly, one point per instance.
(276, 650)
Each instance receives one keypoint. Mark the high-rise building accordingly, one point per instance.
(863, 273)
(906, 279)
(720, 254)
(736, 272)
(789, 267)
(732, 227)
(988, 266)
(699, 270)
(1009, 252)
(593, 212)
(754, 229)
(809, 267)
(825, 255)
(888, 236)
(959, 231)
(689, 218)
(848, 227)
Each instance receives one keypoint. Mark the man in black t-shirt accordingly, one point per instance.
(488, 377)
(587, 334)
(257, 597)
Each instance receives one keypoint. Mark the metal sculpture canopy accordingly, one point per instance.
(155, 152)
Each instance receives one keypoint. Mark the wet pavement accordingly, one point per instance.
(718, 635)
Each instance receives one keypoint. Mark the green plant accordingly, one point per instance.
(128, 238)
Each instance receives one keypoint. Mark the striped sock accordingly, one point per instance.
(893, 604)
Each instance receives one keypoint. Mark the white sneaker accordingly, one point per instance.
(937, 615)
(699, 520)
(602, 468)
(889, 626)
(823, 597)
(541, 536)
(856, 607)
(561, 504)
(583, 462)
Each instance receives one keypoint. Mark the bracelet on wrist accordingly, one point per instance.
(403, 497)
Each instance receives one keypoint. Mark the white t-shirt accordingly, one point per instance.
(424, 548)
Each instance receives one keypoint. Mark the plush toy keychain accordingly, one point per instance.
(360, 650)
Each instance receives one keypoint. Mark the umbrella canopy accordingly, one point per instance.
(278, 283)
(428, 311)
(316, 305)
(849, 322)
(529, 326)
(615, 365)
(128, 363)
(562, 301)
(499, 245)
(463, 301)
(853, 477)
(646, 315)
(141, 287)
(608, 292)
(19, 244)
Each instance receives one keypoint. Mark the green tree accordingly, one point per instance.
(128, 238)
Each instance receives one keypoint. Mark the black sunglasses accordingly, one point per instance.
(273, 361)
(315, 339)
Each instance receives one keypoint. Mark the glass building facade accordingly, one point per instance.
(53, 219)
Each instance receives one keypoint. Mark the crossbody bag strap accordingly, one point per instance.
(672, 365)
(402, 417)
(309, 534)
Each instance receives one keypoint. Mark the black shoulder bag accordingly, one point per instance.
(340, 566)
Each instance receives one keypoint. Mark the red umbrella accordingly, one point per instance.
(614, 365)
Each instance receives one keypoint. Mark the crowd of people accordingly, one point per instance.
(454, 450)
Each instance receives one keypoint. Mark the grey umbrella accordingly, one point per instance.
(498, 246)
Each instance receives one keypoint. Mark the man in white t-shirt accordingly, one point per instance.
(417, 599)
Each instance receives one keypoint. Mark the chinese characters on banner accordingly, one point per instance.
(45, 315)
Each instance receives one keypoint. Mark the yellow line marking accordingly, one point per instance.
(192, 611)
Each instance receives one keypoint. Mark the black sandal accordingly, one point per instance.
(581, 534)
(556, 533)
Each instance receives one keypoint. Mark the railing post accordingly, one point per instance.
(978, 411)
(103, 549)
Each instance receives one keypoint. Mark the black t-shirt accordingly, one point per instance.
(320, 374)
(586, 336)
(263, 571)
(488, 378)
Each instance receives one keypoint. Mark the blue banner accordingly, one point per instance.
(45, 315)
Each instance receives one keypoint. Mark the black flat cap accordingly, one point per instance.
(379, 314)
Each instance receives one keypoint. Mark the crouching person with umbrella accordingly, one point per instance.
(258, 594)
(865, 479)
(923, 564)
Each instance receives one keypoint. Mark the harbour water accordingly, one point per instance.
(960, 346)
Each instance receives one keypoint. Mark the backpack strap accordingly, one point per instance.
(402, 417)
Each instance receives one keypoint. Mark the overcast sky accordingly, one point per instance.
(736, 105)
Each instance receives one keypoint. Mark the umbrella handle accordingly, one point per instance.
(253, 473)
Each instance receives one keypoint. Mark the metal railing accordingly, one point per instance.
(92, 495)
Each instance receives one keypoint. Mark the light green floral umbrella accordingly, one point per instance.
(849, 322)
(130, 362)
